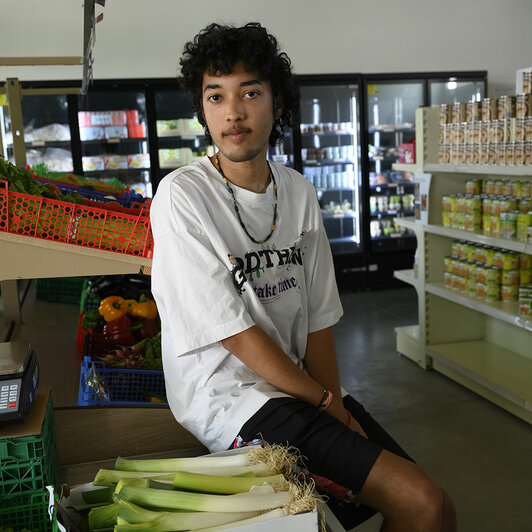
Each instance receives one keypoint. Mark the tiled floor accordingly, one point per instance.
(481, 454)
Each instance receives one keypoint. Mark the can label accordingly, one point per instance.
(506, 107)
(490, 257)
(523, 105)
(508, 224)
(509, 292)
(525, 277)
(489, 109)
(525, 261)
(524, 221)
(510, 277)
(493, 275)
(445, 113)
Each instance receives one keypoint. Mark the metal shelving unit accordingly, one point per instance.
(483, 345)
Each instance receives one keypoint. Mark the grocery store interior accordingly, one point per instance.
(436, 349)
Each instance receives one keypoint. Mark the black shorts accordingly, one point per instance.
(330, 448)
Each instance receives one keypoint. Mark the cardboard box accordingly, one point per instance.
(115, 162)
(91, 133)
(116, 132)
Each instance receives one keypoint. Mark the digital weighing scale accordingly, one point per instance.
(19, 377)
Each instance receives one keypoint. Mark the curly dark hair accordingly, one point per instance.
(216, 49)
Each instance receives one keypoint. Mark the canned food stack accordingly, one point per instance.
(488, 273)
(500, 208)
(496, 131)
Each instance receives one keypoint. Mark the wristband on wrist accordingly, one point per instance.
(326, 400)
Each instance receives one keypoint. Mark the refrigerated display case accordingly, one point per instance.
(179, 137)
(390, 122)
(454, 90)
(113, 136)
(47, 132)
(329, 115)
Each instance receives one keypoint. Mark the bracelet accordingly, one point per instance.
(349, 418)
(326, 400)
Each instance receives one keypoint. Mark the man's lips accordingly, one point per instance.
(235, 133)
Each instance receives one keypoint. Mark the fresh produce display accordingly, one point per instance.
(203, 494)
(20, 180)
(131, 286)
(132, 325)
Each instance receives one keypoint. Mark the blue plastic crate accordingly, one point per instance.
(126, 387)
(125, 199)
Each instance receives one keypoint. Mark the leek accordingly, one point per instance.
(177, 464)
(109, 477)
(103, 516)
(253, 500)
(275, 459)
(272, 514)
(216, 484)
(138, 518)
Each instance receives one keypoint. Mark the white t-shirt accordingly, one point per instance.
(210, 281)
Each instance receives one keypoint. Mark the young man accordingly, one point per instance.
(244, 282)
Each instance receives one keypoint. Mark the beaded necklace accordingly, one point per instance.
(226, 181)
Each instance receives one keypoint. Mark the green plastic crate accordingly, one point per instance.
(60, 290)
(32, 515)
(28, 463)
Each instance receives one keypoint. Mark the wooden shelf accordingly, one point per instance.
(479, 238)
(524, 170)
(25, 257)
(502, 372)
(501, 310)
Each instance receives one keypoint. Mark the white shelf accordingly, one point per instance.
(409, 345)
(402, 167)
(407, 276)
(510, 244)
(408, 222)
(501, 371)
(525, 170)
(501, 310)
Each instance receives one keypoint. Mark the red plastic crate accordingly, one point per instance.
(122, 230)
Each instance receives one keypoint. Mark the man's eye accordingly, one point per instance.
(251, 94)
(214, 98)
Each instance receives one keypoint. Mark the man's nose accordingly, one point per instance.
(234, 110)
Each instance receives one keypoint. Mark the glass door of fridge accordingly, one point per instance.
(180, 137)
(331, 158)
(113, 134)
(46, 133)
(455, 90)
(391, 108)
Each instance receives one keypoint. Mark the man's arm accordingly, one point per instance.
(261, 354)
(320, 361)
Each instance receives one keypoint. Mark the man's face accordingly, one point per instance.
(238, 109)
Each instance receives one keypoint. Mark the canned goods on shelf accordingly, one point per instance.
(493, 275)
(525, 276)
(524, 221)
(509, 277)
(506, 106)
(523, 105)
(508, 224)
(509, 292)
(489, 109)
(525, 260)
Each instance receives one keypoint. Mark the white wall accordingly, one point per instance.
(144, 38)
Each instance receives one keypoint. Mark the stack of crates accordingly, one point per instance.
(60, 289)
(28, 464)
